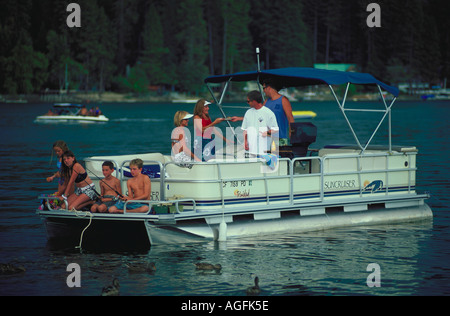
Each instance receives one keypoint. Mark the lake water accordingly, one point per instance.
(414, 258)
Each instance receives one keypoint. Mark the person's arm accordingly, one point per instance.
(176, 137)
(118, 187)
(216, 121)
(246, 141)
(102, 191)
(130, 195)
(186, 149)
(147, 189)
(62, 188)
(272, 125)
(191, 154)
(218, 133)
(287, 107)
(274, 131)
(198, 126)
(51, 178)
(244, 128)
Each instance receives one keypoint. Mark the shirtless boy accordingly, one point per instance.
(139, 188)
(109, 186)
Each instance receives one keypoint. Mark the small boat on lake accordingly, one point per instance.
(71, 113)
(304, 114)
(188, 101)
(298, 189)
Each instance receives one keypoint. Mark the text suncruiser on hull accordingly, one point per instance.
(231, 196)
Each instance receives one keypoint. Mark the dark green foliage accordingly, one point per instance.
(130, 45)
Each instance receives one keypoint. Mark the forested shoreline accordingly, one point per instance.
(141, 45)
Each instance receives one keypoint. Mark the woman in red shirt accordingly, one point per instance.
(203, 130)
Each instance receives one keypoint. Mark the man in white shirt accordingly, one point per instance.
(259, 123)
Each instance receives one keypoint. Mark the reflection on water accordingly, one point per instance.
(332, 262)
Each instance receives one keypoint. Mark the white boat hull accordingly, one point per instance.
(141, 231)
(160, 234)
(71, 118)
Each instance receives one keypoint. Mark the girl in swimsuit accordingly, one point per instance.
(59, 147)
(76, 176)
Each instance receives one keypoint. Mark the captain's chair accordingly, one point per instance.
(303, 134)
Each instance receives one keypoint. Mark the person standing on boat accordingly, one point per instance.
(76, 176)
(181, 152)
(259, 122)
(281, 107)
(204, 143)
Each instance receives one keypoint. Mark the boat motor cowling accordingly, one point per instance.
(303, 134)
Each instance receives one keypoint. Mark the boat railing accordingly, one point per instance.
(315, 167)
(360, 172)
(311, 167)
(263, 176)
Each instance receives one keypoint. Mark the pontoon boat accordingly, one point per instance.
(234, 196)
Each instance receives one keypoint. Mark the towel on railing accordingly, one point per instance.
(270, 160)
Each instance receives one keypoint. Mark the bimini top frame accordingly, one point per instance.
(296, 77)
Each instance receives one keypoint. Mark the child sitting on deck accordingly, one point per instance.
(139, 188)
(110, 188)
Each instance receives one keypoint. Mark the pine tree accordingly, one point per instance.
(192, 43)
(95, 43)
(24, 70)
(154, 52)
(236, 46)
(282, 35)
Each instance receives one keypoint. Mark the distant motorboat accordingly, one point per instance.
(67, 113)
(185, 101)
(19, 101)
(439, 94)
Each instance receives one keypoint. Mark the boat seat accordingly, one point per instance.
(152, 170)
(173, 170)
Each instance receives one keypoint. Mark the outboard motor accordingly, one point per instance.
(303, 134)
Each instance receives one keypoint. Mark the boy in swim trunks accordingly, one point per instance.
(110, 187)
(139, 188)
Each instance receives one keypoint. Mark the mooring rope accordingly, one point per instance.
(90, 222)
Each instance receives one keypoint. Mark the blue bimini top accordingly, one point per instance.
(295, 77)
